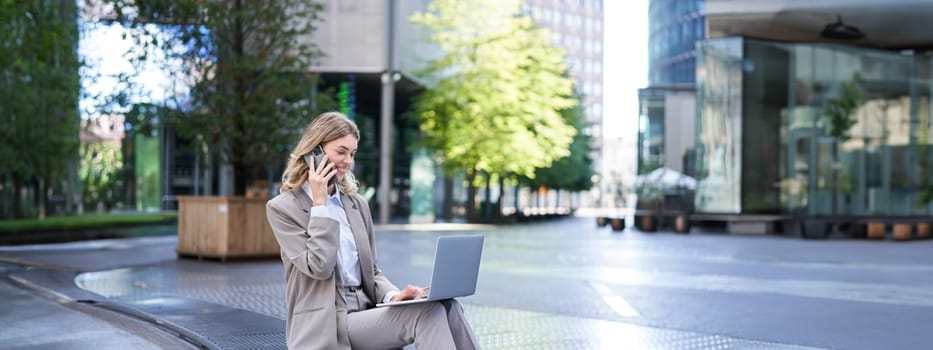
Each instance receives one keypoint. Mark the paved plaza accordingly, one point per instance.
(561, 284)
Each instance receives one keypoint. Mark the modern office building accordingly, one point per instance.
(578, 28)
(674, 27)
(769, 75)
(667, 105)
(369, 43)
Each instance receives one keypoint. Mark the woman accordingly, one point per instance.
(325, 234)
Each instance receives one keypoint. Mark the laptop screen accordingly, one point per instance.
(456, 266)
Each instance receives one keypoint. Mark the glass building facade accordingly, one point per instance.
(674, 27)
(650, 130)
(764, 145)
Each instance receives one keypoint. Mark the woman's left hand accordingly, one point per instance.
(411, 292)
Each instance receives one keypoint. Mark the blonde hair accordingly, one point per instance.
(326, 127)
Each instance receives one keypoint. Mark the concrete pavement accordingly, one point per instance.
(35, 319)
(563, 284)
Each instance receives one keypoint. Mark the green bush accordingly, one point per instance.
(68, 223)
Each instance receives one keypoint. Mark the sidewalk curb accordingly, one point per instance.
(167, 313)
(179, 331)
(24, 262)
(164, 325)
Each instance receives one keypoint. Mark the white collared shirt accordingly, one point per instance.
(348, 259)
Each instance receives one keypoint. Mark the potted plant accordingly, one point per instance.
(902, 231)
(682, 223)
(875, 230)
(923, 230)
(840, 117)
(816, 227)
(648, 206)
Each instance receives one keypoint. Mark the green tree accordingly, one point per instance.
(495, 94)
(840, 118)
(101, 163)
(246, 64)
(575, 171)
(38, 98)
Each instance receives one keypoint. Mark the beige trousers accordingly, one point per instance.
(432, 325)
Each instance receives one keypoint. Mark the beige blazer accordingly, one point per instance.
(317, 313)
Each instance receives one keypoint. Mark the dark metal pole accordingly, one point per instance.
(388, 97)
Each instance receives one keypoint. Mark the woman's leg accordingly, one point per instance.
(459, 326)
(423, 324)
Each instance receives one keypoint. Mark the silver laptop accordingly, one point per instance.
(456, 268)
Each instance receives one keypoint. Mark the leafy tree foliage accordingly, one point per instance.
(575, 171)
(839, 109)
(495, 94)
(100, 165)
(245, 63)
(38, 97)
(840, 118)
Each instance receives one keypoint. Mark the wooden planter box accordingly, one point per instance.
(224, 227)
(618, 224)
(681, 224)
(601, 221)
(902, 232)
(816, 228)
(875, 230)
(646, 223)
(923, 230)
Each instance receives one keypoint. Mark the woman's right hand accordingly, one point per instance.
(318, 178)
(411, 292)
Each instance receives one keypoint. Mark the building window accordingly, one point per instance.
(699, 28)
(688, 35)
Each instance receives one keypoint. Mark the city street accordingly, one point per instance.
(155, 151)
(562, 284)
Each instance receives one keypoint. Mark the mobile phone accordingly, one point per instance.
(317, 155)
